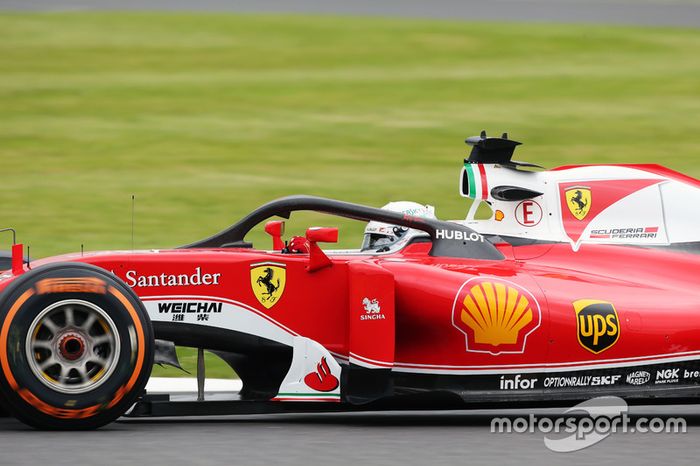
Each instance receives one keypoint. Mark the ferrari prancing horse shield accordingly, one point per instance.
(267, 280)
(578, 198)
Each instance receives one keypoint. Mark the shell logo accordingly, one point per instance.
(496, 316)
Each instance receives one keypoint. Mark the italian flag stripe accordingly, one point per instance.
(470, 177)
(478, 187)
(484, 185)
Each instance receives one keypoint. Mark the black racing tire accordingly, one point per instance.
(76, 347)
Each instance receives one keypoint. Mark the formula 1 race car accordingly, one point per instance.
(582, 283)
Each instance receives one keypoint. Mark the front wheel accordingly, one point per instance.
(76, 347)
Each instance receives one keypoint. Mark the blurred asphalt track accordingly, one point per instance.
(431, 438)
(644, 12)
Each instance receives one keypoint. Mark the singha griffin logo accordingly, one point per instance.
(373, 311)
(371, 306)
(268, 280)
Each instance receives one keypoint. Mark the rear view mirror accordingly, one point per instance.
(317, 258)
(322, 235)
(17, 261)
(275, 228)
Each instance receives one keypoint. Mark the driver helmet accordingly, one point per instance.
(380, 236)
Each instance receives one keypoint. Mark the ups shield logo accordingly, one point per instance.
(597, 324)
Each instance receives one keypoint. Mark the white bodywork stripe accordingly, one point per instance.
(234, 316)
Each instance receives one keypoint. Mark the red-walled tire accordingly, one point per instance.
(76, 347)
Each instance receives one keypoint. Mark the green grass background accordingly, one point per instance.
(205, 116)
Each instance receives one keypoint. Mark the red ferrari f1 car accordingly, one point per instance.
(583, 282)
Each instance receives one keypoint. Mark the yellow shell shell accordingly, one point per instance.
(496, 313)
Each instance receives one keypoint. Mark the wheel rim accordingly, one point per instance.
(72, 346)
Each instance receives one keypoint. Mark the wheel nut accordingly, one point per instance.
(71, 347)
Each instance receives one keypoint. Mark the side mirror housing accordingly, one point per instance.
(322, 235)
(275, 228)
(17, 259)
(317, 258)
